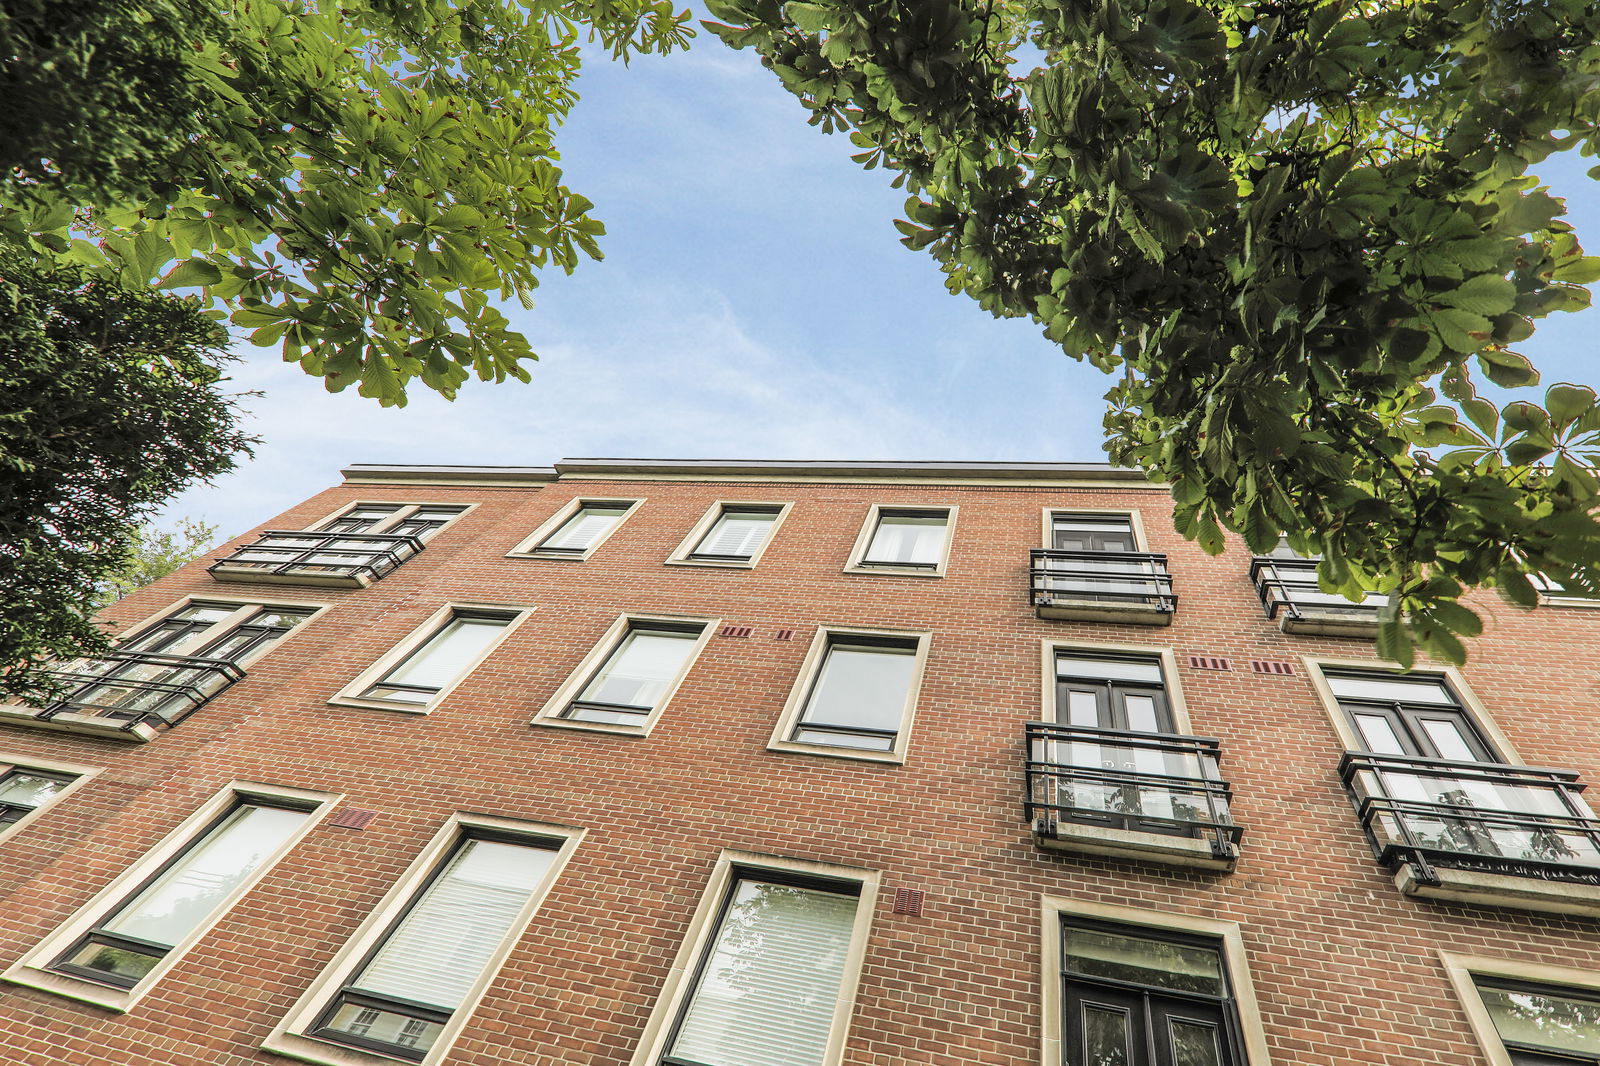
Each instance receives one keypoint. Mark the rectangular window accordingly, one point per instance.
(24, 790)
(737, 534)
(1092, 532)
(1129, 990)
(418, 520)
(856, 695)
(587, 526)
(907, 540)
(638, 674)
(427, 667)
(400, 997)
(128, 942)
(1542, 1025)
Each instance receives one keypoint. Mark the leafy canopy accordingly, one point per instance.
(153, 554)
(1286, 227)
(350, 180)
(109, 404)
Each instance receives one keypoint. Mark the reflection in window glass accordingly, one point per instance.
(1547, 1019)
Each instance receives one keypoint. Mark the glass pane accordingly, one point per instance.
(203, 876)
(447, 654)
(1183, 967)
(908, 539)
(862, 687)
(638, 672)
(28, 790)
(118, 962)
(1392, 689)
(1195, 1044)
(1554, 1020)
(1083, 708)
(440, 948)
(587, 525)
(767, 993)
(401, 1030)
(1446, 736)
(1106, 1036)
(737, 534)
(1379, 735)
(1108, 669)
(1141, 713)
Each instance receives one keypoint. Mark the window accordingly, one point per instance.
(24, 790)
(731, 534)
(857, 693)
(362, 544)
(1092, 533)
(395, 519)
(419, 965)
(911, 540)
(400, 997)
(426, 666)
(1129, 991)
(118, 945)
(1414, 715)
(626, 682)
(1540, 1025)
(575, 531)
(1093, 570)
(767, 974)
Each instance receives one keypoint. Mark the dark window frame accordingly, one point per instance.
(867, 560)
(910, 644)
(693, 630)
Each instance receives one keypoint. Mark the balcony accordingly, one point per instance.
(130, 696)
(1133, 588)
(1486, 833)
(1148, 796)
(341, 560)
(1288, 590)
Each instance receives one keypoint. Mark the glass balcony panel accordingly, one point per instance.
(342, 555)
(1131, 578)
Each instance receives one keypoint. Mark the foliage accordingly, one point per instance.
(108, 406)
(153, 554)
(1287, 227)
(361, 178)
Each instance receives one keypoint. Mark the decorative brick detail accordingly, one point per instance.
(1209, 662)
(352, 818)
(735, 631)
(1272, 666)
(909, 901)
(783, 634)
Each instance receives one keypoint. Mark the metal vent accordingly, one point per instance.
(783, 634)
(909, 901)
(1272, 666)
(1209, 662)
(734, 631)
(352, 818)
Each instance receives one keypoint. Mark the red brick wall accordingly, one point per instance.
(1345, 968)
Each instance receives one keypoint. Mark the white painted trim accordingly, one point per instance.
(550, 713)
(1229, 934)
(288, 1037)
(800, 692)
(33, 969)
(680, 554)
(856, 563)
(1169, 674)
(350, 695)
(81, 776)
(1460, 970)
(696, 940)
(528, 547)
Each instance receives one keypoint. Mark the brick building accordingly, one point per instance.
(632, 763)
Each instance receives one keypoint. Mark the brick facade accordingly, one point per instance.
(1346, 969)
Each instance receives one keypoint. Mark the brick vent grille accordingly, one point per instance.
(1272, 666)
(735, 631)
(909, 901)
(1209, 662)
(352, 818)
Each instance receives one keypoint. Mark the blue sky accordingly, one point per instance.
(754, 302)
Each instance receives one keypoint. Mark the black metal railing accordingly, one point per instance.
(290, 553)
(1289, 586)
(1114, 578)
(131, 688)
(1491, 817)
(1162, 783)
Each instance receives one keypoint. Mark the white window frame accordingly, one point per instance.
(1229, 937)
(350, 695)
(1047, 539)
(528, 548)
(288, 1036)
(406, 510)
(550, 713)
(33, 969)
(730, 866)
(81, 776)
(680, 554)
(1461, 969)
(857, 563)
(807, 679)
(1181, 723)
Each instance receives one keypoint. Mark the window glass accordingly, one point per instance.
(770, 981)
(635, 676)
(1108, 669)
(22, 791)
(1391, 689)
(859, 696)
(737, 534)
(423, 521)
(587, 525)
(443, 658)
(1145, 961)
(1098, 533)
(1548, 1019)
(908, 538)
(363, 518)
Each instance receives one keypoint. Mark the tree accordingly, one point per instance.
(1286, 226)
(108, 406)
(351, 181)
(155, 553)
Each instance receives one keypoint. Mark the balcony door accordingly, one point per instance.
(1128, 694)
(1104, 562)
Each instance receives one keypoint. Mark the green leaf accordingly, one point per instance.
(189, 274)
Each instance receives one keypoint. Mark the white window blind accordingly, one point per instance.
(587, 525)
(862, 687)
(191, 888)
(639, 671)
(771, 980)
(737, 534)
(442, 945)
(441, 660)
(908, 539)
